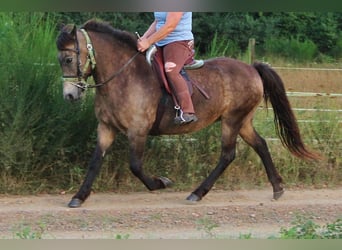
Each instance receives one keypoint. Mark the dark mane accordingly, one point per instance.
(66, 35)
(123, 37)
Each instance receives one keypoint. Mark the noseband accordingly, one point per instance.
(80, 80)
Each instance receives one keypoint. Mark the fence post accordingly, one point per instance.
(251, 50)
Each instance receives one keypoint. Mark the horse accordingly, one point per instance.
(130, 99)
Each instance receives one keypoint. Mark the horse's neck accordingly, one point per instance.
(130, 70)
(110, 63)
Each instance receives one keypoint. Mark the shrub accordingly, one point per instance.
(291, 49)
(222, 46)
(38, 130)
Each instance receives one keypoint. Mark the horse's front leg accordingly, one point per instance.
(105, 139)
(137, 146)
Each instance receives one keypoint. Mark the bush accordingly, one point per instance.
(221, 46)
(291, 49)
(36, 125)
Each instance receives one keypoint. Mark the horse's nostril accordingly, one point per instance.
(69, 97)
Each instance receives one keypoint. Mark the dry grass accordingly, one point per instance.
(310, 80)
(316, 81)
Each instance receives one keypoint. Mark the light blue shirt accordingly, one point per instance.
(180, 33)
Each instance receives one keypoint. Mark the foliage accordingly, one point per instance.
(122, 237)
(247, 236)
(207, 225)
(304, 228)
(35, 127)
(322, 31)
(322, 28)
(26, 233)
(221, 46)
(295, 49)
(120, 20)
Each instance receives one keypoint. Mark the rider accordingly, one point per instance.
(171, 31)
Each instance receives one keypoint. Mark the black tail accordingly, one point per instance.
(284, 119)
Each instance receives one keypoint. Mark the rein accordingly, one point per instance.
(80, 80)
(116, 73)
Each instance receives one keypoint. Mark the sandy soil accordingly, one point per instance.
(166, 214)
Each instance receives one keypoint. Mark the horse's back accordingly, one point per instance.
(229, 74)
(229, 83)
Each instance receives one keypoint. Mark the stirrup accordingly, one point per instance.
(182, 118)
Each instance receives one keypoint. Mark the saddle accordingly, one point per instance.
(154, 57)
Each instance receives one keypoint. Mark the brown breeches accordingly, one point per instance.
(175, 55)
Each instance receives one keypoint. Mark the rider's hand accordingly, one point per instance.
(143, 44)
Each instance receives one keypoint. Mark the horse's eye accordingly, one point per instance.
(68, 60)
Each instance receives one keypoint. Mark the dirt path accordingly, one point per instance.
(221, 214)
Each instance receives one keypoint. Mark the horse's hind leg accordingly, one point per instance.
(137, 145)
(249, 135)
(105, 139)
(229, 136)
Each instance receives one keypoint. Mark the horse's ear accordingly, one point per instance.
(73, 30)
(68, 28)
(61, 26)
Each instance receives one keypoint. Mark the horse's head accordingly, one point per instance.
(75, 55)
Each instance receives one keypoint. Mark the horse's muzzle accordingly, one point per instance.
(69, 97)
(72, 92)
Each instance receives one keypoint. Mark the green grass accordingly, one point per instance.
(207, 225)
(27, 233)
(304, 228)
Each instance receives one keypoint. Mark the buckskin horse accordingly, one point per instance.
(128, 94)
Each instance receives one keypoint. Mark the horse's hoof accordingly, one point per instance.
(277, 195)
(75, 202)
(166, 182)
(193, 198)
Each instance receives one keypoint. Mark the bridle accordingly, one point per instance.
(80, 79)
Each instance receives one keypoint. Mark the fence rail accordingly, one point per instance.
(311, 69)
(313, 110)
(309, 94)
